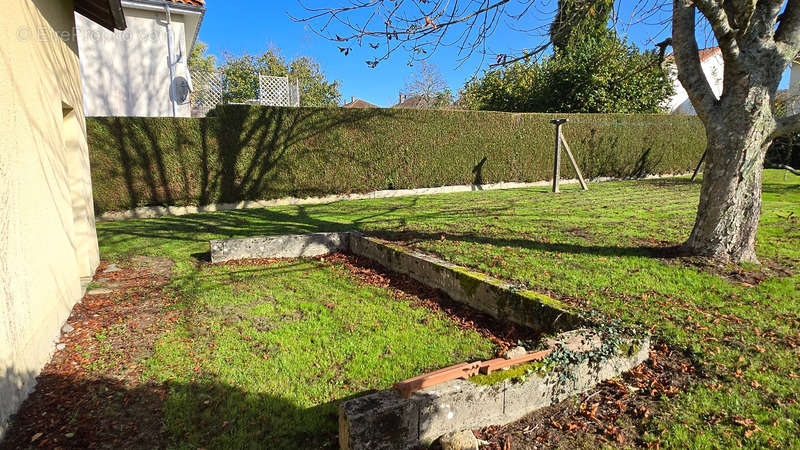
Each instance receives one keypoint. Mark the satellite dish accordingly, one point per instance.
(180, 90)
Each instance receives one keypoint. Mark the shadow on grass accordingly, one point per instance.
(266, 222)
(653, 251)
(79, 412)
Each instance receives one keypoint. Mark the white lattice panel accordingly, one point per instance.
(273, 91)
(207, 91)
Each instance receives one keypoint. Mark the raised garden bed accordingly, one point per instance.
(578, 360)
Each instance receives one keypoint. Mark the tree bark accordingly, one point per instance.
(730, 200)
(740, 123)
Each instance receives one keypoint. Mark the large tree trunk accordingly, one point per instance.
(730, 199)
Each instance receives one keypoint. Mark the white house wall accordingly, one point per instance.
(713, 68)
(794, 89)
(127, 73)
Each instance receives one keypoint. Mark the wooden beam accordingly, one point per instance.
(572, 161)
(464, 371)
(557, 156)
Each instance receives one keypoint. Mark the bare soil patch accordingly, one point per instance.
(90, 394)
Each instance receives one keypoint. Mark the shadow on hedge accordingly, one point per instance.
(240, 149)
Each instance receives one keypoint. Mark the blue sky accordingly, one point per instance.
(239, 26)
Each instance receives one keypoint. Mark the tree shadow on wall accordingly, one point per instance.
(68, 411)
(239, 152)
(477, 182)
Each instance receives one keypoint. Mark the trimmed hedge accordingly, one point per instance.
(253, 152)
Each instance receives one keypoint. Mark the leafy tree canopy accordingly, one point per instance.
(240, 77)
(578, 20)
(601, 75)
(198, 60)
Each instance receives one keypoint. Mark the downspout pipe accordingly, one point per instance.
(171, 62)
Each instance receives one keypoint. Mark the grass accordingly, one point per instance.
(593, 246)
(288, 341)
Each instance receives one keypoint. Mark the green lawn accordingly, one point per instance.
(271, 349)
(741, 326)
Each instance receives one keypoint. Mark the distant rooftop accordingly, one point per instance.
(200, 3)
(416, 101)
(358, 103)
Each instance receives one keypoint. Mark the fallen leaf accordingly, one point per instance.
(743, 422)
(750, 432)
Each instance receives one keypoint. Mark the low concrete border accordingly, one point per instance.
(497, 298)
(385, 420)
(285, 246)
(151, 212)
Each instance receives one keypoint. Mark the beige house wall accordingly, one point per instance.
(47, 234)
(127, 73)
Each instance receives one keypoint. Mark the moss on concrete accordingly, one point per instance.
(629, 348)
(545, 300)
(514, 374)
(469, 280)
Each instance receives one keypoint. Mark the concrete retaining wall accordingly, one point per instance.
(385, 420)
(286, 246)
(495, 297)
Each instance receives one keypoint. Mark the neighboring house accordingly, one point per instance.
(792, 97)
(415, 101)
(48, 242)
(144, 70)
(711, 62)
(358, 103)
(713, 66)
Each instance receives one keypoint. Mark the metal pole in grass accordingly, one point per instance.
(557, 158)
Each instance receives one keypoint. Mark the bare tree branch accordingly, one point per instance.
(724, 30)
(787, 35)
(421, 26)
(427, 81)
